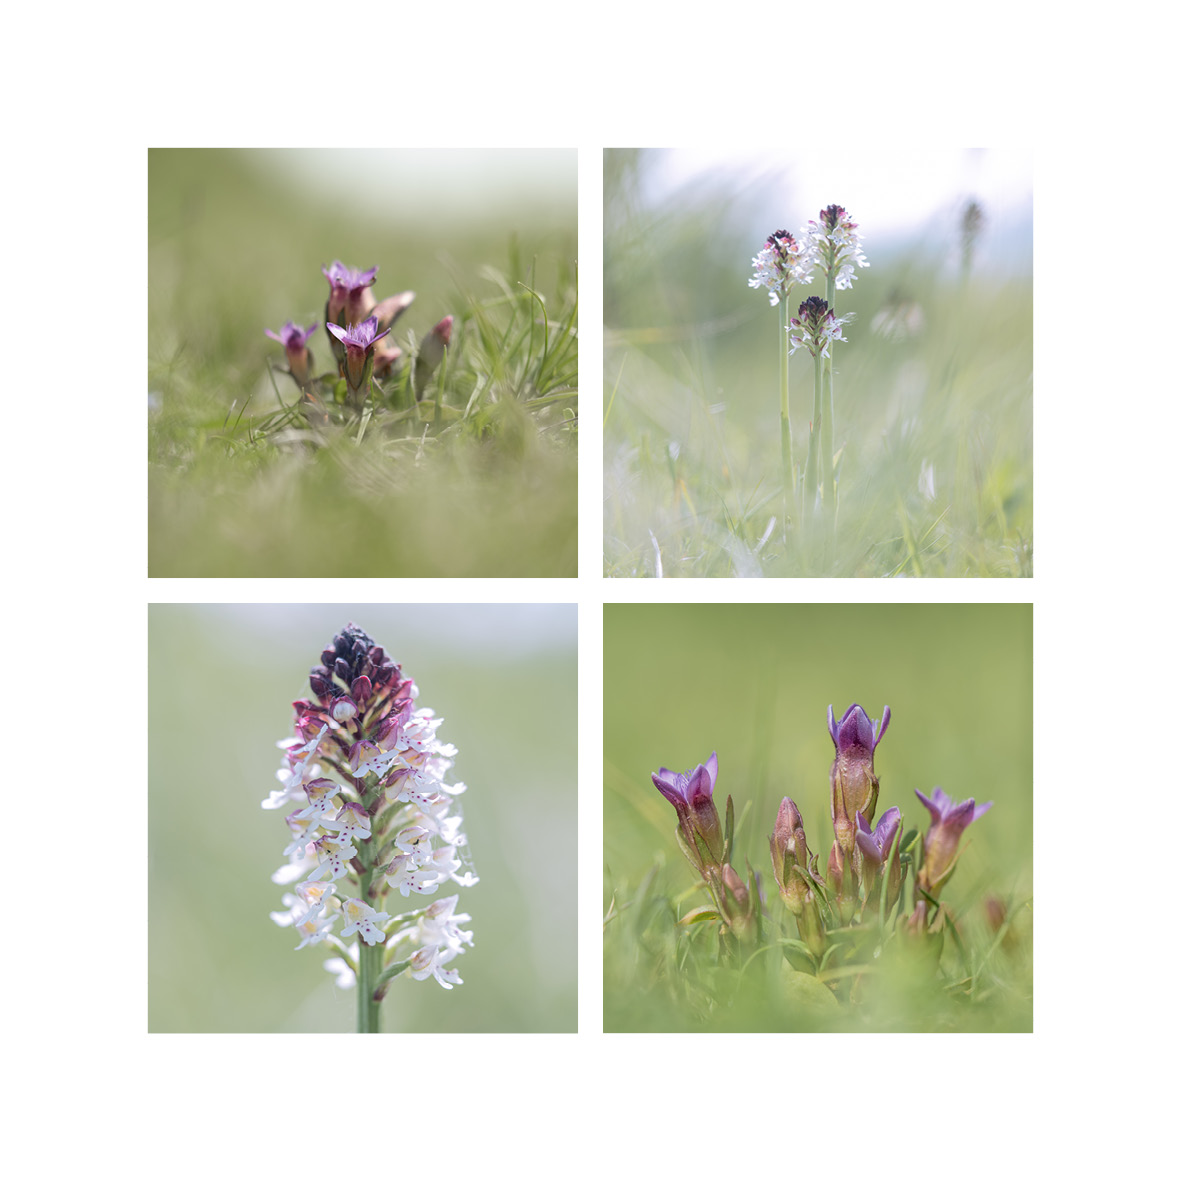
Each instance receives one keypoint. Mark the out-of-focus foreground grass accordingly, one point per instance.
(754, 683)
(221, 680)
(933, 401)
(235, 247)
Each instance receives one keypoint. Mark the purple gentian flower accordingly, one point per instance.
(948, 821)
(358, 340)
(350, 293)
(691, 794)
(875, 843)
(854, 785)
(295, 340)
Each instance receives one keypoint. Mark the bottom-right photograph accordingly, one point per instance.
(818, 817)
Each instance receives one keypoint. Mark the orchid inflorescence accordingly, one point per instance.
(861, 888)
(367, 361)
(831, 245)
(372, 815)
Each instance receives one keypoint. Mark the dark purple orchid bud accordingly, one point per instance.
(361, 689)
(853, 783)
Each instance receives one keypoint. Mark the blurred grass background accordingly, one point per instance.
(754, 683)
(933, 387)
(221, 680)
(236, 242)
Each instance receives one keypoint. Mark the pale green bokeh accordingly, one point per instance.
(221, 680)
(754, 682)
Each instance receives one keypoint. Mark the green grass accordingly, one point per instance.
(239, 487)
(753, 682)
(692, 483)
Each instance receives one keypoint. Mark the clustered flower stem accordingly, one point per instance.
(390, 823)
(861, 888)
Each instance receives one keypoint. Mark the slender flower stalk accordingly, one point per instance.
(372, 814)
(815, 329)
(836, 244)
(783, 263)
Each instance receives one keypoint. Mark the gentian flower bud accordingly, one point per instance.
(854, 786)
(691, 794)
(295, 340)
(430, 352)
(789, 850)
(940, 845)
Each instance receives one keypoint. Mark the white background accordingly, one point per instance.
(88, 89)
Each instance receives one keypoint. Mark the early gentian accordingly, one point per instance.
(358, 340)
(853, 783)
(295, 340)
(789, 850)
(816, 327)
(940, 845)
(431, 351)
(350, 301)
(782, 263)
(691, 794)
(875, 843)
(836, 244)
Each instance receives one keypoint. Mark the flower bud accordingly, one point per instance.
(789, 851)
(343, 709)
(430, 352)
(854, 786)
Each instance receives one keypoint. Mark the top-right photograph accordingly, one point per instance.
(817, 364)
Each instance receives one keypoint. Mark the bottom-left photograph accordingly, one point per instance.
(333, 791)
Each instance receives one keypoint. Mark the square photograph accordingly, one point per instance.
(818, 818)
(801, 388)
(362, 364)
(335, 797)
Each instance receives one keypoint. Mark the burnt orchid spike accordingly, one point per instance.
(853, 782)
(816, 327)
(691, 794)
(941, 844)
(783, 262)
(836, 243)
(372, 814)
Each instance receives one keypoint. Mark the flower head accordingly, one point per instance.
(783, 262)
(295, 340)
(836, 241)
(940, 845)
(350, 299)
(358, 340)
(875, 843)
(816, 327)
(853, 783)
(691, 794)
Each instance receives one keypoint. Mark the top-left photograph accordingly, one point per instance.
(362, 364)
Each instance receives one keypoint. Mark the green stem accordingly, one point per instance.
(790, 511)
(369, 958)
(811, 469)
(826, 438)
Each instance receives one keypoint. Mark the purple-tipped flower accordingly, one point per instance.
(350, 300)
(940, 845)
(816, 327)
(691, 794)
(358, 340)
(853, 783)
(783, 262)
(836, 242)
(295, 340)
(875, 843)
